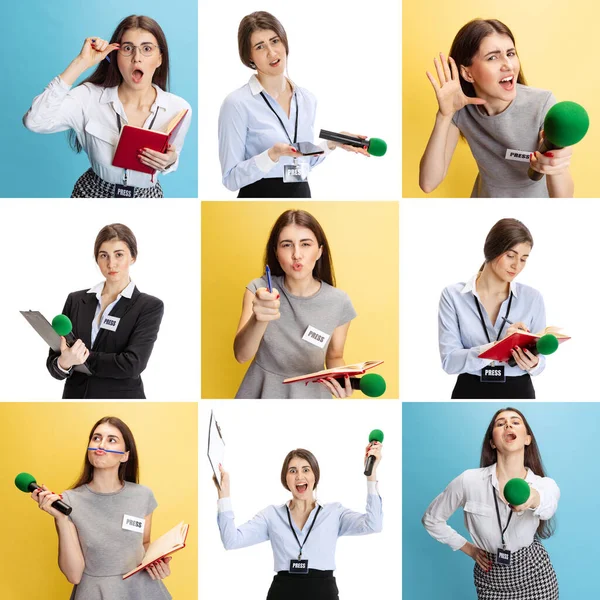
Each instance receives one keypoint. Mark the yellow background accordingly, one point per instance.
(363, 237)
(49, 441)
(557, 46)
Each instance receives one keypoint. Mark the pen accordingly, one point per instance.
(269, 283)
(106, 58)
(511, 323)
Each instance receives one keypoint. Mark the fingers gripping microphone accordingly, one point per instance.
(26, 483)
(62, 326)
(547, 344)
(372, 384)
(374, 146)
(566, 123)
(516, 491)
(375, 436)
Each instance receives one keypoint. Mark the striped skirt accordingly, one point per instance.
(89, 185)
(529, 577)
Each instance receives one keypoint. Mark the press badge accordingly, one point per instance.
(133, 523)
(519, 155)
(299, 566)
(110, 323)
(316, 337)
(124, 191)
(503, 557)
(493, 374)
(296, 173)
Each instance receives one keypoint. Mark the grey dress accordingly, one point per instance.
(283, 353)
(109, 550)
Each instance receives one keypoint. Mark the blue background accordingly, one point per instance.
(40, 39)
(441, 440)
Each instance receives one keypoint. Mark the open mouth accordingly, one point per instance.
(302, 488)
(510, 437)
(508, 83)
(137, 76)
(275, 63)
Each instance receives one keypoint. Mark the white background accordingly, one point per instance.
(47, 251)
(441, 243)
(258, 435)
(347, 54)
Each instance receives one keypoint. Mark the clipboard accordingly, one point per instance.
(216, 447)
(44, 329)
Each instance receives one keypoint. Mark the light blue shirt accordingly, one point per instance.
(272, 524)
(97, 289)
(461, 334)
(248, 129)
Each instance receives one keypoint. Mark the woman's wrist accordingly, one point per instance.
(273, 154)
(62, 365)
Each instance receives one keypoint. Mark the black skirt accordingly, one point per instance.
(275, 188)
(315, 585)
(89, 185)
(529, 577)
(470, 387)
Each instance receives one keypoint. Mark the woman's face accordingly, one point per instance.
(114, 259)
(300, 478)
(137, 70)
(107, 437)
(297, 251)
(509, 433)
(495, 68)
(267, 52)
(508, 265)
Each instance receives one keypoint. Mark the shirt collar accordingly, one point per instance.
(110, 94)
(471, 287)
(491, 472)
(256, 86)
(127, 292)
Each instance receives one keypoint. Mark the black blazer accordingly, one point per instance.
(117, 358)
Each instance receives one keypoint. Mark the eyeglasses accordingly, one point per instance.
(145, 49)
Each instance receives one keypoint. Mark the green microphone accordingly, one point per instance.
(62, 326)
(26, 483)
(516, 491)
(547, 344)
(371, 384)
(566, 123)
(374, 146)
(375, 436)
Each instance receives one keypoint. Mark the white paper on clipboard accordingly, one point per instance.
(216, 447)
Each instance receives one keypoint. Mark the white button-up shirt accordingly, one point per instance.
(91, 111)
(472, 491)
(97, 290)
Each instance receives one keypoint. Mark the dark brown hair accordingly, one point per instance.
(466, 45)
(532, 460)
(128, 471)
(255, 22)
(306, 455)
(107, 74)
(323, 269)
(116, 231)
(505, 234)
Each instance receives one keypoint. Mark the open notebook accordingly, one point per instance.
(501, 351)
(355, 369)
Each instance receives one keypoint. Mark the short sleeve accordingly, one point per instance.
(256, 283)
(550, 101)
(347, 312)
(152, 503)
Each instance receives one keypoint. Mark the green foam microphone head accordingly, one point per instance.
(547, 344)
(22, 481)
(372, 385)
(62, 325)
(516, 491)
(566, 123)
(376, 436)
(377, 147)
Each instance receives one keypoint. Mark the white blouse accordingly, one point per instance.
(472, 491)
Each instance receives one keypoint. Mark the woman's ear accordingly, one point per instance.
(466, 74)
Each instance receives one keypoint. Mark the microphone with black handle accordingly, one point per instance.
(375, 436)
(371, 384)
(374, 146)
(26, 483)
(62, 326)
(547, 344)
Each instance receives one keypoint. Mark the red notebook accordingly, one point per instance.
(132, 139)
(356, 369)
(165, 545)
(501, 351)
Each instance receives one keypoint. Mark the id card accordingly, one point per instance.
(133, 523)
(503, 557)
(315, 336)
(299, 566)
(110, 323)
(124, 191)
(296, 173)
(493, 374)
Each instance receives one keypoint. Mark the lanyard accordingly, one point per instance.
(294, 532)
(498, 515)
(279, 118)
(503, 322)
(119, 128)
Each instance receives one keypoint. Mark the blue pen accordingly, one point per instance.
(106, 57)
(269, 283)
(105, 450)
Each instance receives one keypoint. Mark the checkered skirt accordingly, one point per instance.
(89, 185)
(529, 577)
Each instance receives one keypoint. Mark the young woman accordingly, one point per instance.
(94, 549)
(260, 122)
(509, 451)
(274, 325)
(301, 529)
(482, 96)
(114, 324)
(128, 87)
(476, 314)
